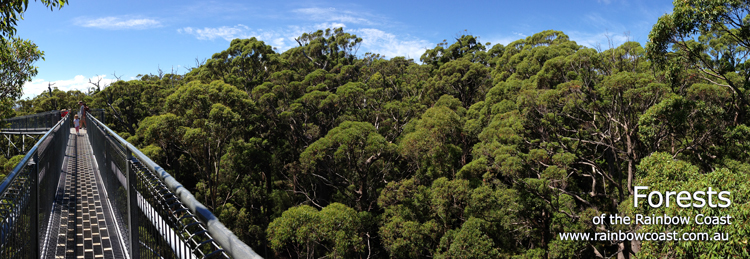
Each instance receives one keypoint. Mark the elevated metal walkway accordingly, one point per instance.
(94, 195)
(83, 225)
(35, 124)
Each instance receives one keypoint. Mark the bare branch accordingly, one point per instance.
(117, 78)
(98, 83)
(308, 57)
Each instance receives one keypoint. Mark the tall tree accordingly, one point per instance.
(199, 123)
(245, 64)
(17, 56)
(714, 36)
(328, 48)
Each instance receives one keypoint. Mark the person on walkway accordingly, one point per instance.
(76, 121)
(82, 113)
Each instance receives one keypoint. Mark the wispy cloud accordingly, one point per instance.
(390, 45)
(117, 23)
(282, 38)
(224, 32)
(373, 40)
(604, 33)
(213, 8)
(79, 82)
(335, 15)
(602, 41)
(595, 20)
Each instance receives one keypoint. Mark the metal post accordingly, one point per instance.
(34, 175)
(132, 207)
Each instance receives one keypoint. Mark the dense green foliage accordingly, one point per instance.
(17, 56)
(481, 151)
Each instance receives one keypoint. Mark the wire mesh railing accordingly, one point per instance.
(98, 114)
(34, 122)
(25, 208)
(168, 220)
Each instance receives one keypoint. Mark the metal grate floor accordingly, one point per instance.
(85, 228)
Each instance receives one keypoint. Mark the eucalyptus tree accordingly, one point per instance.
(347, 165)
(198, 125)
(465, 46)
(660, 171)
(325, 49)
(335, 231)
(246, 63)
(713, 37)
(17, 56)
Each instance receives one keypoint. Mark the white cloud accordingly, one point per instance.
(333, 15)
(282, 39)
(373, 40)
(224, 32)
(610, 33)
(116, 23)
(504, 40)
(383, 43)
(603, 40)
(79, 82)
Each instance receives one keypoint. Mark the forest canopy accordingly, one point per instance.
(477, 150)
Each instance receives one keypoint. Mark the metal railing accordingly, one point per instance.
(25, 207)
(34, 122)
(168, 220)
(98, 114)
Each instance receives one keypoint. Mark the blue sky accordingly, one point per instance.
(89, 38)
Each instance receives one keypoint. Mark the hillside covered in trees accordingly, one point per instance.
(478, 151)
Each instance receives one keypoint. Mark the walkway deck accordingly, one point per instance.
(82, 216)
(81, 196)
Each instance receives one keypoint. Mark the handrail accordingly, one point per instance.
(33, 115)
(230, 243)
(24, 216)
(26, 158)
(44, 120)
